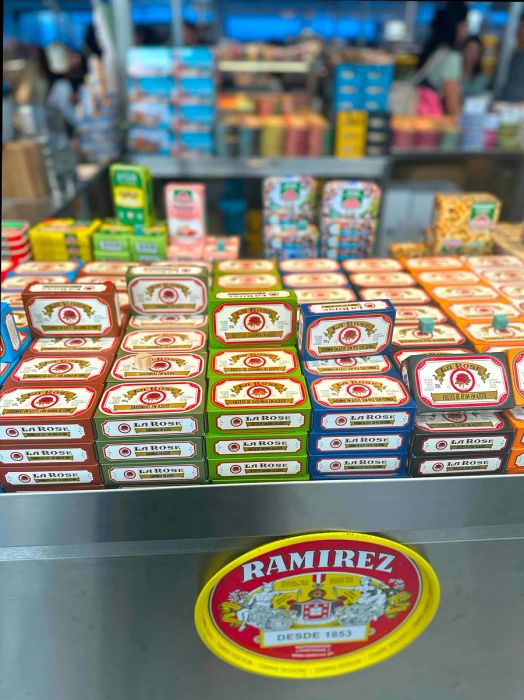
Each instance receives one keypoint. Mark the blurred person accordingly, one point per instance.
(475, 81)
(440, 60)
(513, 90)
(64, 87)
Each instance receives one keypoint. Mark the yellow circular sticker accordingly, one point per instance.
(317, 605)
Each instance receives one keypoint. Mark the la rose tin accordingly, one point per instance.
(377, 279)
(442, 382)
(132, 409)
(481, 311)
(72, 309)
(160, 450)
(17, 283)
(83, 453)
(402, 355)
(133, 474)
(411, 314)
(433, 278)
(241, 267)
(456, 432)
(339, 329)
(247, 282)
(464, 292)
(396, 295)
(254, 318)
(258, 404)
(515, 416)
(516, 373)
(170, 340)
(347, 366)
(503, 275)
(102, 347)
(355, 465)
(515, 463)
(182, 288)
(320, 444)
(118, 280)
(487, 333)
(220, 447)
(445, 465)
(437, 262)
(161, 367)
(105, 267)
(51, 267)
(270, 468)
(48, 413)
(37, 370)
(320, 294)
(296, 280)
(253, 363)
(479, 262)
(443, 334)
(371, 265)
(18, 478)
(155, 322)
(309, 265)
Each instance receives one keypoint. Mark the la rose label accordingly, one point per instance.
(317, 605)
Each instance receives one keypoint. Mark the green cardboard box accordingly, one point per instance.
(132, 189)
(170, 288)
(165, 342)
(258, 319)
(115, 452)
(258, 405)
(273, 468)
(156, 474)
(170, 367)
(251, 362)
(256, 446)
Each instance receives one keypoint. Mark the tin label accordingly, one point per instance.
(123, 451)
(338, 392)
(477, 381)
(63, 368)
(134, 474)
(254, 362)
(248, 323)
(317, 605)
(71, 345)
(46, 431)
(472, 312)
(149, 295)
(319, 294)
(434, 467)
(334, 336)
(487, 333)
(52, 402)
(459, 421)
(146, 427)
(470, 444)
(309, 265)
(365, 364)
(276, 467)
(258, 393)
(397, 295)
(344, 443)
(315, 279)
(328, 465)
(410, 315)
(129, 399)
(355, 421)
(39, 478)
(262, 421)
(245, 446)
(31, 455)
(165, 321)
(186, 340)
(183, 365)
(89, 316)
(473, 291)
(442, 334)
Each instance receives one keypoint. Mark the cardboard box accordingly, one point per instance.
(253, 363)
(52, 413)
(371, 403)
(459, 432)
(252, 318)
(129, 368)
(164, 342)
(56, 455)
(38, 371)
(132, 189)
(221, 447)
(468, 382)
(369, 442)
(20, 478)
(344, 329)
(268, 469)
(258, 404)
(117, 452)
(179, 288)
(175, 473)
(351, 465)
(347, 366)
(72, 309)
(445, 465)
(134, 409)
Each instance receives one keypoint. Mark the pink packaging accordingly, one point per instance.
(186, 216)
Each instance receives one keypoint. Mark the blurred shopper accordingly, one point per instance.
(475, 81)
(440, 60)
(513, 91)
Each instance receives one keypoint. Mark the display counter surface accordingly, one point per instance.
(163, 520)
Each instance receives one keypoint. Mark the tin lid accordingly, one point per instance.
(308, 586)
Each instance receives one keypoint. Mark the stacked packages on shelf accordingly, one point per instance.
(171, 100)
(16, 247)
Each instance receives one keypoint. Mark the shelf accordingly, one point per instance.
(215, 167)
(146, 519)
(245, 66)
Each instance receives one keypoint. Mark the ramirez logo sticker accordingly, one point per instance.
(317, 605)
